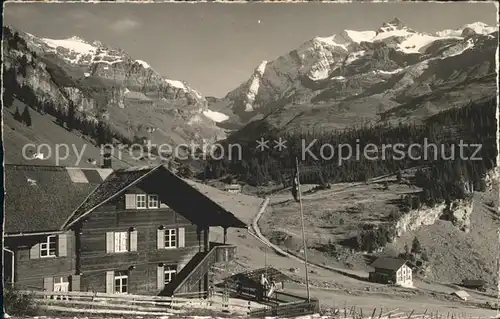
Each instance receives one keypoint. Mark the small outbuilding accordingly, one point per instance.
(474, 284)
(233, 188)
(461, 294)
(389, 270)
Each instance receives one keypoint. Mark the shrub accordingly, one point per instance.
(19, 304)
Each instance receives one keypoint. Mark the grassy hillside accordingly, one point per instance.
(44, 130)
(334, 216)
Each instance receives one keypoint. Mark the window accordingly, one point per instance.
(121, 281)
(121, 240)
(152, 201)
(170, 238)
(170, 272)
(141, 201)
(48, 247)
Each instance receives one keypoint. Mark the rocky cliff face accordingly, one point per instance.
(103, 82)
(457, 212)
(378, 75)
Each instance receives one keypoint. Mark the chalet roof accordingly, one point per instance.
(461, 294)
(40, 198)
(388, 263)
(171, 189)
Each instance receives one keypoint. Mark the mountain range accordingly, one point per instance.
(391, 74)
(106, 83)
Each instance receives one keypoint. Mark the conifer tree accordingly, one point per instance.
(17, 115)
(26, 116)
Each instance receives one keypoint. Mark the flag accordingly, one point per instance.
(295, 185)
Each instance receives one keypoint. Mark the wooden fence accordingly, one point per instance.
(102, 303)
(357, 313)
(288, 310)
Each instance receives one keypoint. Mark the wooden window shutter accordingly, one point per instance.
(48, 283)
(110, 242)
(75, 282)
(160, 277)
(130, 201)
(62, 245)
(110, 282)
(133, 240)
(160, 238)
(182, 240)
(35, 251)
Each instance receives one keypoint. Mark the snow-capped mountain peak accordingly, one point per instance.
(324, 66)
(106, 82)
(467, 30)
(393, 25)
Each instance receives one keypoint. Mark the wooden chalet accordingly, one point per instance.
(140, 230)
(390, 270)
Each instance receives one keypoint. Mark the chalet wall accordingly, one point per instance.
(95, 261)
(29, 273)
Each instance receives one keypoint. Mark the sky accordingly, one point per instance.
(215, 47)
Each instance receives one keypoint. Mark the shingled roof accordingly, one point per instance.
(388, 263)
(40, 198)
(171, 189)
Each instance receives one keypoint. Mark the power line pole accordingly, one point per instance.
(303, 229)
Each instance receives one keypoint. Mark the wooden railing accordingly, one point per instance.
(288, 310)
(96, 302)
(192, 279)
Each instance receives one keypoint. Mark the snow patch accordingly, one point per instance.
(198, 95)
(340, 77)
(254, 86)
(330, 41)
(74, 44)
(360, 36)
(216, 116)
(175, 83)
(388, 72)
(143, 64)
(320, 74)
(106, 62)
(416, 42)
(195, 119)
(392, 33)
(354, 56)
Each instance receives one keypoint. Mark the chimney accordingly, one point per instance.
(106, 157)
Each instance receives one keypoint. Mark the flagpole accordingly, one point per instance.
(498, 276)
(303, 230)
